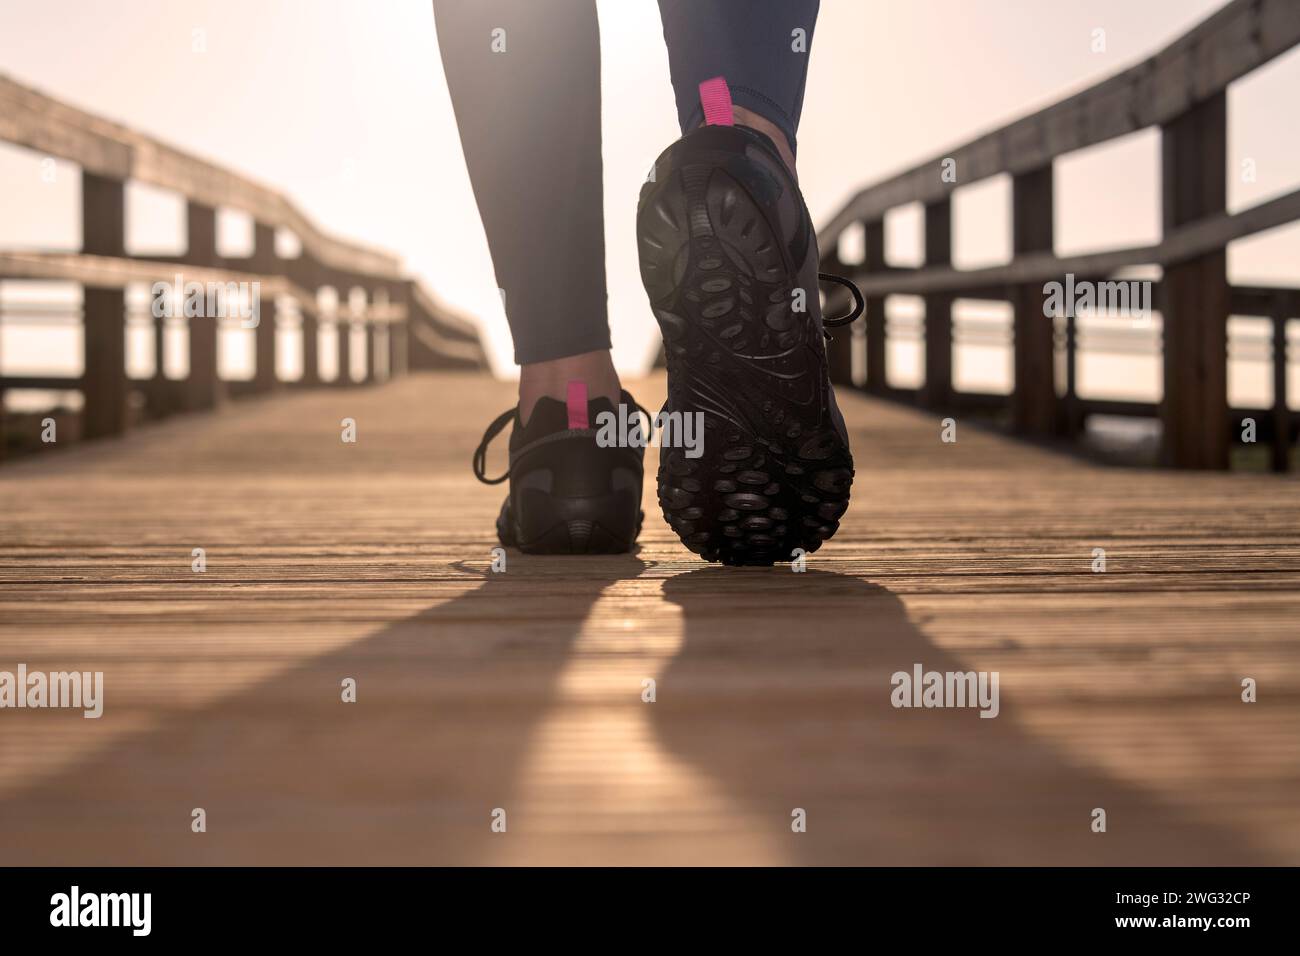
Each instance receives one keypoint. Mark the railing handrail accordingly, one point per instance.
(50, 126)
(1227, 45)
(111, 272)
(1194, 239)
(102, 147)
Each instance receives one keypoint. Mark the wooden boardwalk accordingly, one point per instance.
(523, 690)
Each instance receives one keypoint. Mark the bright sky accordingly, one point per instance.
(341, 104)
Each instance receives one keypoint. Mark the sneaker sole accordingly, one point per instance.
(580, 526)
(774, 475)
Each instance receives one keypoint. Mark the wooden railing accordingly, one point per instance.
(405, 326)
(1182, 90)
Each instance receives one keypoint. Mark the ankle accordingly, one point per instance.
(744, 117)
(551, 379)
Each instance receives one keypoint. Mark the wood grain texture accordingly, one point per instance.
(522, 690)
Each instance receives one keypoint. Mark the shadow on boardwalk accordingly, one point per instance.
(450, 700)
(805, 721)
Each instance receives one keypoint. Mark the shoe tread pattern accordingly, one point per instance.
(774, 474)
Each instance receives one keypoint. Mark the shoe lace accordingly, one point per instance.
(480, 453)
(859, 304)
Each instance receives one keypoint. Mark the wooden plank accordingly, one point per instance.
(1034, 403)
(523, 690)
(27, 120)
(1195, 292)
(42, 382)
(1264, 300)
(114, 272)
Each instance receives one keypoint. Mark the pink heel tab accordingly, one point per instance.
(576, 402)
(715, 97)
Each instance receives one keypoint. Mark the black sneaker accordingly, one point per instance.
(568, 495)
(728, 254)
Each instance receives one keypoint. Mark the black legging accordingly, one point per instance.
(524, 77)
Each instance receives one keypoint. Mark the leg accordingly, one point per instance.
(760, 46)
(524, 78)
(729, 260)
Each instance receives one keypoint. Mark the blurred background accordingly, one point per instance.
(342, 106)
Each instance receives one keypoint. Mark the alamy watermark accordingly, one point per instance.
(213, 300)
(1128, 297)
(130, 910)
(922, 688)
(635, 429)
(78, 690)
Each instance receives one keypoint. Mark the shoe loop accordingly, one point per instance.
(859, 303)
(480, 454)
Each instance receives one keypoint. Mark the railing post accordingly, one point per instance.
(938, 308)
(343, 337)
(310, 344)
(1033, 401)
(160, 399)
(265, 263)
(104, 384)
(417, 355)
(307, 274)
(398, 345)
(372, 362)
(397, 348)
(103, 215)
(1281, 413)
(1071, 424)
(203, 389)
(4, 432)
(264, 377)
(1194, 410)
(874, 264)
